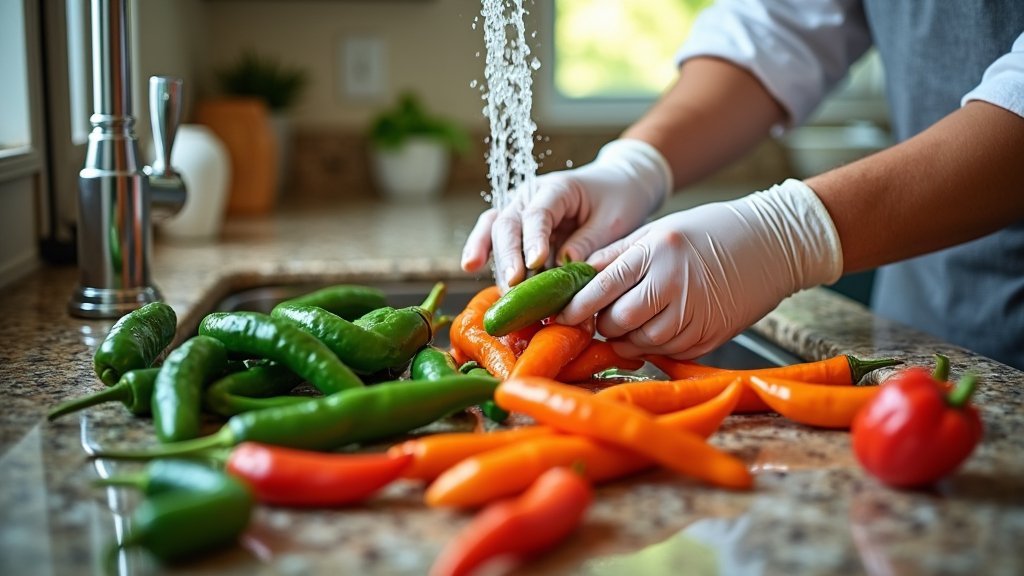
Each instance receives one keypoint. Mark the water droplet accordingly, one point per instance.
(535, 64)
(472, 83)
(568, 163)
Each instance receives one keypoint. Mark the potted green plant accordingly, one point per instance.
(276, 84)
(411, 148)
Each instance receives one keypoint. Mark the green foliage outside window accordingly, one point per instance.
(619, 48)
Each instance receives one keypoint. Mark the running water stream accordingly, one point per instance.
(508, 74)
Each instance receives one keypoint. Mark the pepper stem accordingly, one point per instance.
(120, 392)
(440, 322)
(130, 480)
(941, 372)
(859, 367)
(961, 394)
(222, 438)
(434, 299)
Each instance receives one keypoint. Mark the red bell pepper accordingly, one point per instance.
(289, 477)
(919, 428)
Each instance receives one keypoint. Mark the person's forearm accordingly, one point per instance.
(959, 180)
(713, 114)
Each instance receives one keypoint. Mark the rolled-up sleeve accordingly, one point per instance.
(798, 49)
(1003, 81)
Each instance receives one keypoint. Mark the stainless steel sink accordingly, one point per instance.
(747, 350)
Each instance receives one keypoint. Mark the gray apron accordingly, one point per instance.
(934, 52)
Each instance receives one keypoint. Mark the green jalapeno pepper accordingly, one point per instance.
(432, 363)
(349, 301)
(537, 297)
(189, 509)
(350, 417)
(259, 386)
(135, 341)
(134, 390)
(178, 390)
(283, 342)
(383, 339)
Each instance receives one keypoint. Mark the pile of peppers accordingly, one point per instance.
(338, 368)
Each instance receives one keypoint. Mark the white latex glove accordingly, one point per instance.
(686, 283)
(571, 213)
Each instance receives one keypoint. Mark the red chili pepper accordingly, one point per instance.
(290, 477)
(917, 429)
(538, 519)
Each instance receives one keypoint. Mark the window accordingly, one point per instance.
(594, 73)
(15, 128)
(598, 74)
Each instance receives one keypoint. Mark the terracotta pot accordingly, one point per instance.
(244, 125)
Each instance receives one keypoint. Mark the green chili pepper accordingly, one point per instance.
(259, 386)
(349, 301)
(189, 509)
(354, 416)
(135, 341)
(537, 297)
(383, 339)
(490, 408)
(432, 363)
(177, 392)
(283, 342)
(134, 390)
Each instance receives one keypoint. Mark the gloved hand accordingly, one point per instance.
(572, 212)
(686, 283)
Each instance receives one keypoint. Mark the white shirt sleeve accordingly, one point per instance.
(1003, 81)
(799, 49)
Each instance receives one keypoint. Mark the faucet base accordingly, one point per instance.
(87, 302)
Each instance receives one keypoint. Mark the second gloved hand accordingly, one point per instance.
(572, 212)
(686, 283)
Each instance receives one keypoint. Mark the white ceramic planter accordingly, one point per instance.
(417, 170)
(204, 164)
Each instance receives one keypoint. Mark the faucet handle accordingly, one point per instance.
(165, 115)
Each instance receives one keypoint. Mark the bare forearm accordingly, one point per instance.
(712, 115)
(957, 181)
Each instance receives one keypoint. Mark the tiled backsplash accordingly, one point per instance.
(328, 164)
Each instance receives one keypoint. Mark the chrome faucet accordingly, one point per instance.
(117, 199)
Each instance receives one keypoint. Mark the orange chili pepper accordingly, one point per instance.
(597, 356)
(518, 340)
(457, 355)
(432, 455)
(820, 405)
(509, 470)
(570, 409)
(843, 369)
(551, 348)
(468, 335)
(542, 517)
(681, 369)
(664, 396)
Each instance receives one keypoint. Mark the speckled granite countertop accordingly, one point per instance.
(813, 511)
